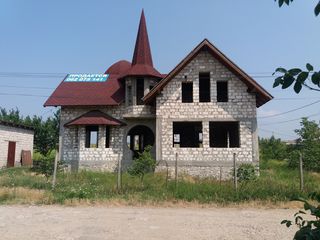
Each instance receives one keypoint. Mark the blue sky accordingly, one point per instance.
(51, 38)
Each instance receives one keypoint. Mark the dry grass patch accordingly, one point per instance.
(21, 195)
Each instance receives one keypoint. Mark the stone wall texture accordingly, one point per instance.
(204, 161)
(241, 107)
(23, 139)
(72, 144)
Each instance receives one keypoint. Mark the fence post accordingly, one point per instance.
(176, 170)
(235, 172)
(301, 171)
(54, 177)
(119, 182)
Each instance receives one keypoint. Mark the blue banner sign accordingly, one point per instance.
(83, 77)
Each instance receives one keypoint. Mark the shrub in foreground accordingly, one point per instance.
(44, 164)
(246, 172)
(145, 163)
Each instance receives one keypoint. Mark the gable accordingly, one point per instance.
(262, 96)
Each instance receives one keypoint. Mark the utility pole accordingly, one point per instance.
(235, 172)
(301, 171)
(176, 170)
(56, 159)
(119, 182)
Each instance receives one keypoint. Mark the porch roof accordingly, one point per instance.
(95, 117)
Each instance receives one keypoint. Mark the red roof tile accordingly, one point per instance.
(110, 92)
(95, 117)
(119, 67)
(142, 52)
(142, 64)
(143, 70)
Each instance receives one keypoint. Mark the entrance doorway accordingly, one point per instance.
(11, 154)
(138, 138)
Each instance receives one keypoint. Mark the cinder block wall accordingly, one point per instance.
(206, 161)
(101, 158)
(23, 139)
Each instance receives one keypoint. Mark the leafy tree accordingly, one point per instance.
(272, 148)
(308, 78)
(308, 228)
(143, 164)
(309, 142)
(282, 2)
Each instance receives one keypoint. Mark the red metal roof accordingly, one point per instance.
(143, 70)
(110, 92)
(142, 51)
(119, 67)
(142, 64)
(95, 117)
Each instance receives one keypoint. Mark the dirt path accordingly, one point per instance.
(86, 223)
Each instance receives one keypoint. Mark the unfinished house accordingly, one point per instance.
(202, 112)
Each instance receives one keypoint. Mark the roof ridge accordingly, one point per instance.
(264, 96)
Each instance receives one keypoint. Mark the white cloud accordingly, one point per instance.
(267, 113)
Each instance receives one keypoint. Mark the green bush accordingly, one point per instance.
(246, 172)
(143, 164)
(44, 164)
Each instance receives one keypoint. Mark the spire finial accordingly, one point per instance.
(142, 52)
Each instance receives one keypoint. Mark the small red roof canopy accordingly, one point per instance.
(95, 117)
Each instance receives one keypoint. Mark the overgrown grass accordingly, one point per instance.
(276, 183)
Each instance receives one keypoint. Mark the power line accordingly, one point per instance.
(292, 110)
(22, 94)
(291, 120)
(60, 74)
(302, 98)
(28, 87)
(47, 88)
(279, 133)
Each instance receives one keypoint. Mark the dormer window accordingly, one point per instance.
(204, 87)
(222, 91)
(187, 92)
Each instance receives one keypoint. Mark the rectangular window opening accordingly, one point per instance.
(204, 87)
(187, 134)
(107, 136)
(222, 91)
(92, 136)
(129, 95)
(187, 92)
(224, 134)
(140, 90)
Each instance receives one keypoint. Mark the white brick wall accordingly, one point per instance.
(240, 107)
(204, 161)
(23, 139)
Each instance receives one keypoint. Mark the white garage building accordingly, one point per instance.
(14, 140)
